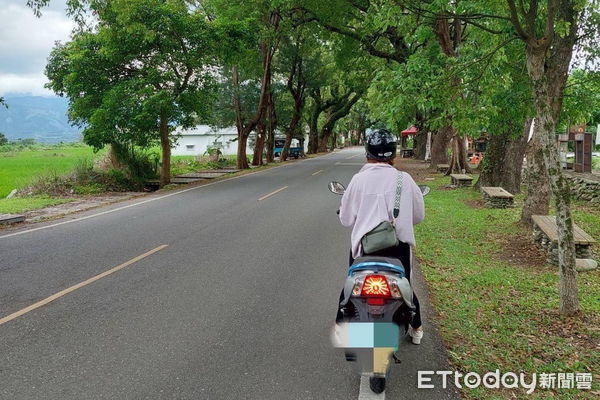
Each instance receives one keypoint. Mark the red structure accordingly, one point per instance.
(410, 131)
(406, 152)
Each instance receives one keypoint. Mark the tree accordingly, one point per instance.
(295, 64)
(340, 105)
(550, 32)
(263, 18)
(143, 73)
(581, 99)
(3, 139)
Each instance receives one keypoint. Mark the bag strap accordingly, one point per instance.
(399, 183)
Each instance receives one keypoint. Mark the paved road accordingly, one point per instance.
(238, 306)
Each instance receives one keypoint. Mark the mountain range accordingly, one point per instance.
(35, 117)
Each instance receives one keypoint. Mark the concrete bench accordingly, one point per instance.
(497, 197)
(585, 264)
(545, 232)
(11, 218)
(461, 179)
(443, 168)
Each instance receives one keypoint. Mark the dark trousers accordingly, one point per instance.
(401, 252)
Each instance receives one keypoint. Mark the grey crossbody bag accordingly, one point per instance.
(384, 235)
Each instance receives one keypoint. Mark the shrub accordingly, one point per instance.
(92, 188)
(83, 179)
(140, 164)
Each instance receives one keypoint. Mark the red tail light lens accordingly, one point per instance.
(376, 286)
(375, 301)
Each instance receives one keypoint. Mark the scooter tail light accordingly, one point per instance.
(358, 284)
(395, 291)
(375, 301)
(376, 286)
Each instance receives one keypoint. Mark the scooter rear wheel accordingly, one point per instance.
(377, 384)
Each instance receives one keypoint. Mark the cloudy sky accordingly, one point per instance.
(26, 42)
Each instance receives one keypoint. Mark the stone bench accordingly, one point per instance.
(461, 180)
(545, 232)
(443, 168)
(585, 264)
(11, 218)
(497, 197)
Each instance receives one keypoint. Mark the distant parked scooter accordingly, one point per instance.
(377, 307)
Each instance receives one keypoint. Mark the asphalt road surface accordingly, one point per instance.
(206, 293)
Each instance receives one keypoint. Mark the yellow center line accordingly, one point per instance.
(317, 173)
(272, 193)
(356, 155)
(78, 286)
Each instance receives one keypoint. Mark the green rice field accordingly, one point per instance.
(18, 168)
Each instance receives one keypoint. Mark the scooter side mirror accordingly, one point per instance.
(336, 187)
(425, 190)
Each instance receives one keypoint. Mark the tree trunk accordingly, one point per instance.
(537, 200)
(242, 158)
(503, 162)
(458, 162)
(324, 140)
(268, 50)
(286, 146)
(337, 110)
(242, 129)
(259, 146)
(547, 94)
(271, 128)
(492, 168)
(165, 144)
(453, 161)
(463, 162)
(293, 128)
(420, 144)
(513, 160)
(313, 138)
(439, 147)
(569, 301)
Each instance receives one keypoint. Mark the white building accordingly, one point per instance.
(195, 141)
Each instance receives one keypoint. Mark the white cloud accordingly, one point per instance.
(26, 42)
(24, 84)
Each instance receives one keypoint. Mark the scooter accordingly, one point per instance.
(376, 307)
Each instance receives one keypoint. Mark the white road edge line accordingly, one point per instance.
(149, 200)
(93, 279)
(365, 392)
(266, 196)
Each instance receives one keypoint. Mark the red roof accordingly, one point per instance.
(410, 131)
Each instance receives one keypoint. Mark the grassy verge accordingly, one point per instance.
(22, 204)
(184, 164)
(498, 301)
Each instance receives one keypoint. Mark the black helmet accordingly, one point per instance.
(381, 145)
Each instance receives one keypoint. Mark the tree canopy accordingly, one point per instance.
(146, 70)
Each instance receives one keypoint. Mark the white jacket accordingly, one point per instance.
(369, 200)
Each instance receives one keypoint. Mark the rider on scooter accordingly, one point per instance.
(369, 200)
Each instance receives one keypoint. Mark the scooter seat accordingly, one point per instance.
(376, 263)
